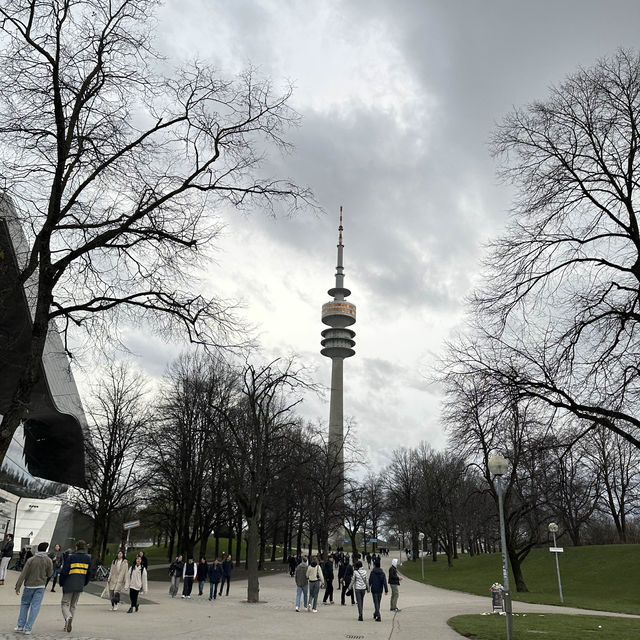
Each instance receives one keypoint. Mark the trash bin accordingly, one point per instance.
(497, 597)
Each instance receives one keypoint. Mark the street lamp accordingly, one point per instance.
(553, 528)
(498, 467)
(421, 538)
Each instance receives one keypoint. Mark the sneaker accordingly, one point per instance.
(189, 597)
(297, 608)
(68, 627)
(309, 607)
(184, 596)
(314, 610)
(27, 633)
(18, 629)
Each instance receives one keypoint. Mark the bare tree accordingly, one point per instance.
(119, 427)
(115, 168)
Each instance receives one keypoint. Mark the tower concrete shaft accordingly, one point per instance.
(337, 344)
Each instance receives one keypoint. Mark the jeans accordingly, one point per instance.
(68, 603)
(4, 563)
(301, 591)
(328, 594)
(394, 596)
(213, 587)
(30, 607)
(377, 597)
(360, 599)
(175, 585)
(200, 587)
(314, 590)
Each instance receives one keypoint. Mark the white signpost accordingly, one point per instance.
(553, 528)
(127, 526)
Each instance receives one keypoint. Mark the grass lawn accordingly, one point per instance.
(554, 627)
(594, 577)
(162, 574)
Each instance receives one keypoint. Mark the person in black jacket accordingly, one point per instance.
(189, 574)
(203, 573)
(215, 575)
(327, 570)
(175, 571)
(345, 573)
(227, 567)
(6, 553)
(74, 577)
(377, 582)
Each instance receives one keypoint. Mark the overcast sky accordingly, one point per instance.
(398, 100)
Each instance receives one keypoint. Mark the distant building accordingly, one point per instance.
(35, 520)
(55, 427)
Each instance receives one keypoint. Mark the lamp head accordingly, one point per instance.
(498, 465)
(553, 527)
(421, 536)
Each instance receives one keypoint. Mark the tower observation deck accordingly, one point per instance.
(337, 344)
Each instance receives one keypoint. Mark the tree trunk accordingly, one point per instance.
(263, 543)
(516, 569)
(274, 542)
(299, 536)
(239, 539)
(253, 585)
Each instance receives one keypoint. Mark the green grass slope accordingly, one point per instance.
(605, 578)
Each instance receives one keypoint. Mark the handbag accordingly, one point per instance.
(349, 592)
(116, 597)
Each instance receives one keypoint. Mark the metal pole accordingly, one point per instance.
(505, 566)
(558, 568)
(422, 555)
(126, 544)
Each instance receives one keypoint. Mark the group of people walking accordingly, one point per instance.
(216, 573)
(352, 580)
(125, 578)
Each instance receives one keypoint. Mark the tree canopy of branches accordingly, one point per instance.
(115, 167)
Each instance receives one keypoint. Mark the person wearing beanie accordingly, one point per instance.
(74, 577)
(37, 570)
(394, 583)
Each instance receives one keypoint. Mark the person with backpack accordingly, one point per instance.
(377, 582)
(136, 582)
(175, 572)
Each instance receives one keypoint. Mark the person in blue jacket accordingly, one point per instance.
(377, 582)
(215, 575)
(74, 577)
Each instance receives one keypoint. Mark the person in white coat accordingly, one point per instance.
(136, 582)
(117, 579)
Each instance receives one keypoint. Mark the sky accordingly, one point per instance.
(398, 100)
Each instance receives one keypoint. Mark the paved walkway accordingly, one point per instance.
(425, 611)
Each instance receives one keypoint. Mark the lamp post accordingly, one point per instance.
(553, 528)
(421, 538)
(498, 467)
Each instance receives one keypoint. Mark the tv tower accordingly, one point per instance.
(337, 344)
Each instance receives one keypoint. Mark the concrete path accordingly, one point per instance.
(424, 614)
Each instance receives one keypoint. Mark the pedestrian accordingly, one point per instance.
(345, 574)
(189, 574)
(327, 571)
(227, 568)
(302, 582)
(394, 583)
(144, 560)
(56, 559)
(175, 571)
(292, 564)
(6, 553)
(116, 583)
(203, 573)
(74, 577)
(368, 557)
(34, 576)
(377, 582)
(215, 575)
(360, 586)
(136, 582)
(315, 578)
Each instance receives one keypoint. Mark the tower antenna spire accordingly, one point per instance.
(340, 229)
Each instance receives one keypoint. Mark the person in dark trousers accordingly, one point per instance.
(394, 583)
(56, 559)
(345, 574)
(292, 565)
(74, 577)
(6, 553)
(175, 571)
(189, 574)
(360, 586)
(215, 575)
(136, 582)
(35, 575)
(377, 582)
(203, 574)
(227, 568)
(327, 570)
